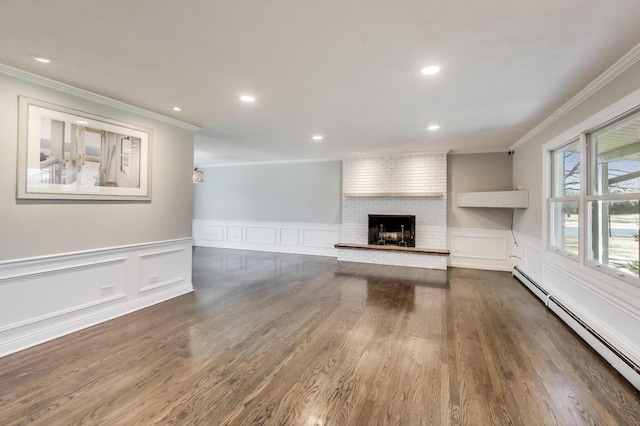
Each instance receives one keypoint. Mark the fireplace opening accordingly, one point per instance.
(392, 230)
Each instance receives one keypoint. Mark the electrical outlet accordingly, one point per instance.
(153, 279)
(108, 289)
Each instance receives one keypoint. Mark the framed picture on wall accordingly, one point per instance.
(68, 154)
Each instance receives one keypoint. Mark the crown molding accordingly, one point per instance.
(487, 150)
(204, 165)
(85, 94)
(263, 163)
(395, 154)
(602, 80)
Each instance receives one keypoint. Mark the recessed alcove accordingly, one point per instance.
(392, 230)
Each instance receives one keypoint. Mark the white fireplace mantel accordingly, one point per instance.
(393, 194)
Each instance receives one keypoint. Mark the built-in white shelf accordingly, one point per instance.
(496, 199)
(393, 194)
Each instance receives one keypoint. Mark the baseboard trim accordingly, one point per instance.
(618, 360)
(531, 284)
(316, 239)
(473, 265)
(77, 324)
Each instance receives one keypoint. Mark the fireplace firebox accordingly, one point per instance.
(392, 230)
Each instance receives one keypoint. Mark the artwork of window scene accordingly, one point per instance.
(68, 154)
(74, 153)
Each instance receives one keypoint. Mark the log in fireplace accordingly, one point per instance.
(394, 230)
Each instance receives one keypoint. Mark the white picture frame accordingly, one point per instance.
(68, 154)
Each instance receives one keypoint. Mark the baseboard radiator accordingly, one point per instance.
(618, 360)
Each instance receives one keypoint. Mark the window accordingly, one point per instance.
(564, 205)
(614, 194)
(598, 174)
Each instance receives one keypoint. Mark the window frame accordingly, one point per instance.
(591, 195)
(553, 186)
(612, 117)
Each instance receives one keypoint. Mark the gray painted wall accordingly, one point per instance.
(527, 165)
(290, 192)
(478, 172)
(35, 228)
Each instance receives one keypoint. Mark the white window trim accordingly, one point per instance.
(551, 163)
(597, 121)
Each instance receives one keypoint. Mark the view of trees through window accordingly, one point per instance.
(565, 207)
(612, 158)
(615, 221)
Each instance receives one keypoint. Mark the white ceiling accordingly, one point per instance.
(346, 69)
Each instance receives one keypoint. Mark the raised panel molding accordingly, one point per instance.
(212, 232)
(81, 284)
(289, 237)
(47, 297)
(488, 249)
(322, 238)
(234, 233)
(527, 254)
(260, 234)
(479, 247)
(161, 269)
(282, 237)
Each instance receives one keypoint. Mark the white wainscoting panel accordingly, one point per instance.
(212, 232)
(47, 297)
(261, 234)
(289, 237)
(283, 237)
(528, 254)
(319, 238)
(161, 269)
(82, 285)
(234, 233)
(480, 248)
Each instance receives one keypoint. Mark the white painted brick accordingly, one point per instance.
(410, 173)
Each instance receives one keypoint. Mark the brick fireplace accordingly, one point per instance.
(407, 185)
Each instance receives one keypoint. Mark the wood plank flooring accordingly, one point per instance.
(275, 339)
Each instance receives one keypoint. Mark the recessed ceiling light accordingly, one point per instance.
(247, 98)
(177, 108)
(41, 59)
(317, 137)
(82, 122)
(433, 127)
(430, 70)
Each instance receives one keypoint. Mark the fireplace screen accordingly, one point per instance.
(392, 230)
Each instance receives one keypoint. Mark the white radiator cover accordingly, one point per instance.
(590, 302)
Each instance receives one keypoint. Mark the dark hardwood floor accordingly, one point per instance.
(300, 340)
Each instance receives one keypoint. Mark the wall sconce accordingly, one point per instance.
(198, 176)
